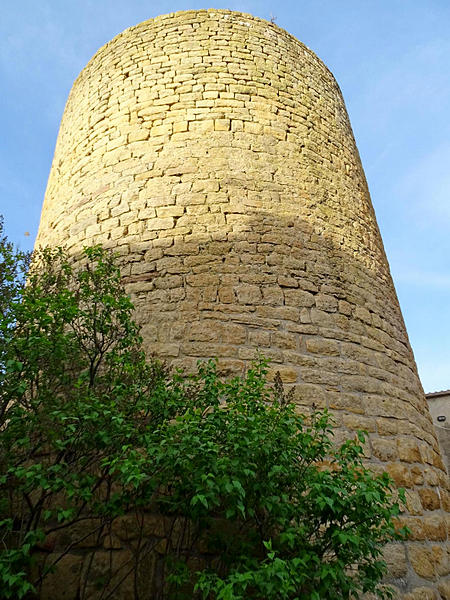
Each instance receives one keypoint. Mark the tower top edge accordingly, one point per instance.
(202, 15)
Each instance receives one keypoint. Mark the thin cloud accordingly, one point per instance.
(425, 188)
(438, 281)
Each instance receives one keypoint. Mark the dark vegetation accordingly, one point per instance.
(259, 503)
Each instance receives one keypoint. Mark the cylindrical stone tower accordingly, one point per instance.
(213, 151)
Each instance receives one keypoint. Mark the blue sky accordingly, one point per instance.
(391, 59)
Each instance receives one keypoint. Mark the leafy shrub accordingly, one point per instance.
(260, 503)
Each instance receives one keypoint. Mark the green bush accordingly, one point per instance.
(260, 502)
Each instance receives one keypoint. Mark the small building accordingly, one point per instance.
(439, 405)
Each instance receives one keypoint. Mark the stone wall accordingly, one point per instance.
(213, 152)
(439, 405)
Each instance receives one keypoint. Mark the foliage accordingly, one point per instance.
(291, 515)
(13, 267)
(259, 502)
(74, 405)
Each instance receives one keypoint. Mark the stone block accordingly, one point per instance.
(326, 302)
(430, 499)
(408, 450)
(284, 340)
(272, 295)
(444, 589)
(348, 402)
(222, 124)
(306, 394)
(435, 527)
(233, 334)
(400, 474)
(248, 294)
(298, 298)
(157, 224)
(395, 557)
(422, 593)
(259, 338)
(64, 582)
(287, 374)
(385, 450)
(322, 346)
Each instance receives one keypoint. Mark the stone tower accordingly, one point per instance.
(213, 152)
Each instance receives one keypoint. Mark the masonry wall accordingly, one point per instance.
(439, 406)
(213, 152)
